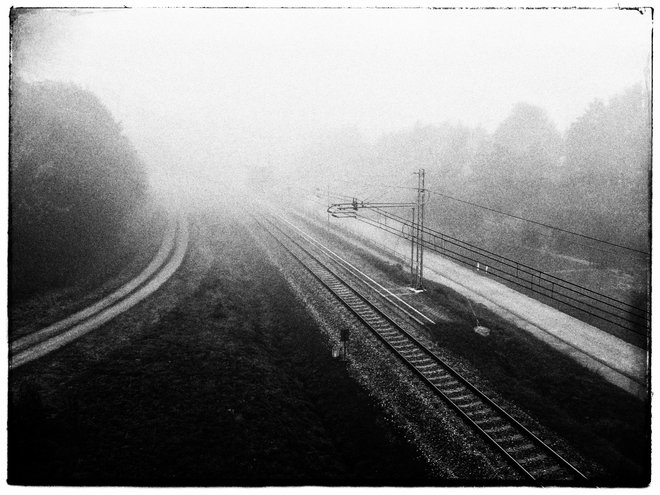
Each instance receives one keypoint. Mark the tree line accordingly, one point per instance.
(75, 180)
(592, 179)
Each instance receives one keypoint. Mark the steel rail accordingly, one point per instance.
(366, 279)
(566, 342)
(427, 353)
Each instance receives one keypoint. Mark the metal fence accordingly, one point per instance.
(618, 313)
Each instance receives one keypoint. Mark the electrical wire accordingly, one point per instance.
(577, 243)
(507, 264)
(538, 223)
(512, 263)
(407, 178)
(471, 260)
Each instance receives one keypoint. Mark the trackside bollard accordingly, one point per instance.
(345, 334)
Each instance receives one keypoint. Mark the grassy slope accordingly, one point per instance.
(106, 272)
(234, 386)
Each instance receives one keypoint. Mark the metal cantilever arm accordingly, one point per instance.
(342, 210)
(349, 210)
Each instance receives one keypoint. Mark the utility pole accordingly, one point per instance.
(349, 210)
(413, 233)
(418, 237)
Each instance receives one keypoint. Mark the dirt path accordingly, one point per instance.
(53, 337)
(220, 378)
(134, 253)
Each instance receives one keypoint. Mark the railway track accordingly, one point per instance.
(166, 261)
(528, 454)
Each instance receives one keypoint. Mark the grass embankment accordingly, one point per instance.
(102, 272)
(602, 421)
(235, 386)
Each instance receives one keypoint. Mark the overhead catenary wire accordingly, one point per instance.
(376, 186)
(513, 263)
(367, 190)
(573, 242)
(350, 198)
(399, 186)
(325, 193)
(588, 246)
(509, 264)
(576, 303)
(539, 223)
(517, 217)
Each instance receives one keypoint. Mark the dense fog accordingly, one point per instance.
(539, 114)
(185, 310)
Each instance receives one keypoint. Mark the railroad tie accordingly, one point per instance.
(512, 439)
(497, 429)
(534, 459)
(545, 470)
(522, 447)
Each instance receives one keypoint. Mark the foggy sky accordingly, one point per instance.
(203, 91)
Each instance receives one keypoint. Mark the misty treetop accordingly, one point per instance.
(67, 148)
(608, 165)
(593, 178)
(610, 145)
(74, 180)
(529, 131)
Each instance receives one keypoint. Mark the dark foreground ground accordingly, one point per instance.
(609, 427)
(221, 378)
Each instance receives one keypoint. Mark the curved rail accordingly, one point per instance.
(522, 449)
(166, 261)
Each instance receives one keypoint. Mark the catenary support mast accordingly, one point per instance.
(418, 238)
(349, 210)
